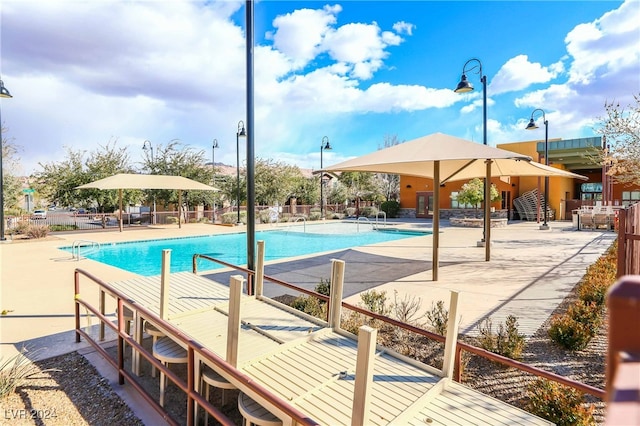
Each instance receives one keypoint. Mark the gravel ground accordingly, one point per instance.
(58, 393)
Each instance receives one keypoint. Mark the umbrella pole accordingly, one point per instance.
(179, 208)
(487, 213)
(120, 198)
(436, 220)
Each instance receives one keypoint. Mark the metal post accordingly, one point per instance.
(4, 93)
(251, 196)
(144, 147)
(531, 126)
(213, 175)
(323, 146)
(240, 132)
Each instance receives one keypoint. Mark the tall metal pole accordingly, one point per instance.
(531, 126)
(4, 93)
(464, 87)
(323, 146)
(213, 174)
(241, 132)
(251, 193)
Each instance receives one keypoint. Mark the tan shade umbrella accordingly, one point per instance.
(446, 158)
(134, 181)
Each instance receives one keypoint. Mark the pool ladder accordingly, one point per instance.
(76, 247)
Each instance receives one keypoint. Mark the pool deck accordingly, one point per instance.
(530, 272)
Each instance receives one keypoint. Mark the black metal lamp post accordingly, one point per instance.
(241, 132)
(4, 93)
(213, 174)
(324, 146)
(531, 126)
(148, 146)
(464, 86)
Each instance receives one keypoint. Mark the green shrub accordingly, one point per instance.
(59, 228)
(375, 301)
(324, 287)
(231, 218)
(310, 305)
(391, 208)
(506, 342)
(569, 333)
(589, 314)
(559, 404)
(438, 317)
(38, 231)
(13, 373)
(21, 228)
(369, 211)
(315, 216)
(351, 211)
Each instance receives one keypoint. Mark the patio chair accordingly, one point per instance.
(168, 352)
(586, 221)
(601, 220)
(254, 413)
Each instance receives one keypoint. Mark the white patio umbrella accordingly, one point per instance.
(135, 181)
(446, 158)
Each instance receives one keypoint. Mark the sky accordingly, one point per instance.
(84, 74)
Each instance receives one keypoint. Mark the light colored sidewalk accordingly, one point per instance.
(530, 272)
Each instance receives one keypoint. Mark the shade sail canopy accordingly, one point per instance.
(446, 158)
(459, 159)
(135, 181)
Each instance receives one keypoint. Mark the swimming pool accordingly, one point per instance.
(144, 257)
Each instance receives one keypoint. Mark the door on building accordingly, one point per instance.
(424, 205)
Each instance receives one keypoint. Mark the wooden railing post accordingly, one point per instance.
(622, 242)
(623, 303)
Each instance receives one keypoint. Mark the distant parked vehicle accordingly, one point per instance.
(39, 214)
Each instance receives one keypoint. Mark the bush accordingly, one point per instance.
(38, 231)
(21, 228)
(315, 216)
(59, 228)
(310, 305)
(351, 211)
(324, 287)
(391, 208)
(506, 342)
(369, 211)
(559, 404)
(438, 317)
(14, 372)
(569, 333)
(231, 218)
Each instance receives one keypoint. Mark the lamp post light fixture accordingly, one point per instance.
(213, 174)
(464, 86)
(531, 126)
(4, 93)
(324, 146)
(148, 146)
(241, 132)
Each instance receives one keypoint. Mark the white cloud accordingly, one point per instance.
(403, 28)
(518, 74)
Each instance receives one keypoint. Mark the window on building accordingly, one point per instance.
(630, 197)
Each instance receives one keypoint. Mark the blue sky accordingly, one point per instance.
(84, 73)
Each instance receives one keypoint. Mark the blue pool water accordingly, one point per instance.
(144, 257)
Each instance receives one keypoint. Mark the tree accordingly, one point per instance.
(276, 182)
(57, 181)
(472, 193)
(390, 183)
(11, 185)
(177, 159)
(620, 128)
(358, 185)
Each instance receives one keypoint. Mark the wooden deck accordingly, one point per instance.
(312, 366)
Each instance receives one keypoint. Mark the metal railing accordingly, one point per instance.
(461, 346)
(192, 347)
